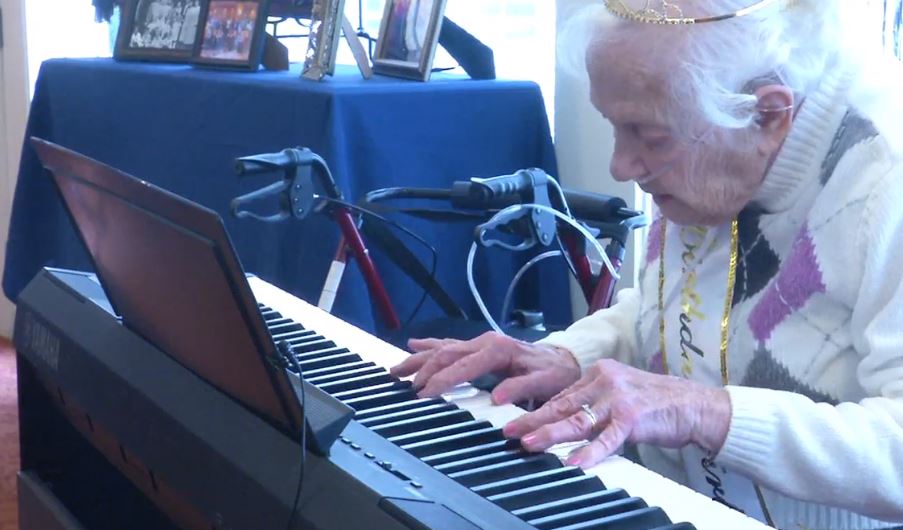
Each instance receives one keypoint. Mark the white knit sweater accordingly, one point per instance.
(816, 326)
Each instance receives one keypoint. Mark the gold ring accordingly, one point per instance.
(589, 414)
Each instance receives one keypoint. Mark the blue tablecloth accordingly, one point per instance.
(181, 128)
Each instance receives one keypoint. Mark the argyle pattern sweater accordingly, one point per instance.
(816, 325)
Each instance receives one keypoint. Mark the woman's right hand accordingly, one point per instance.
(531, 371)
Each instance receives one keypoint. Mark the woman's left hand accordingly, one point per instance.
(629, 405)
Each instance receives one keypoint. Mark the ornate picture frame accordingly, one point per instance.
(408, 36)
(158, 30)
(325, 32)
(232, 34)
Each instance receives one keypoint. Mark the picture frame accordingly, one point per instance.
(408, 37)
(158, 30)
(325, 32)
(231, 34)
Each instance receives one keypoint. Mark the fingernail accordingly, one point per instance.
(573, 460)
(529, 439)
(499, 398)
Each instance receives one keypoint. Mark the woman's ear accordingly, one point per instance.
(775, 105)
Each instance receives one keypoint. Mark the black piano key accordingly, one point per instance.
(407, 413)
(292, 335)
(552, 491)
(284, 327)
(570, 503)
(455, 441)
(345, 374)
(589, 513)
(318, 353)
(439, 432)
(635, 520)
(464, 464)
(276, 323)
(372, 390)
(679, 526)
(505, 486)
(458, 454)
(337, 369)
(390, 429)
(378, 400)
(312, 346)
(270, 314)
(365, 413)
(332, 360)
(357, 381)
(526, 465)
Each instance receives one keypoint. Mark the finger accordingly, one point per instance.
(412, 364)
(606, 444)
(553, 411)
(573, 428)
(419, 345)
(536, 385)
(441, 359)
(468, 367)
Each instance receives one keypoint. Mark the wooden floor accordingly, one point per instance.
(9, 437)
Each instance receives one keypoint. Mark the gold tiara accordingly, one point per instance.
(669, 13)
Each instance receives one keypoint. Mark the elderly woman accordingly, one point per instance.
(760, 359)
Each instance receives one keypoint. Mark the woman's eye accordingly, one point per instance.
(658, 142)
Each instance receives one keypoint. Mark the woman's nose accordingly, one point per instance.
(627, 165)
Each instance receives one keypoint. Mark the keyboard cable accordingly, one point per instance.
(286, 350)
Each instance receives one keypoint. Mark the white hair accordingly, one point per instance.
(712, 69)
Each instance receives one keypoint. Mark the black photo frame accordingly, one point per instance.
(231, 34)
(158, 30)
(408, 37)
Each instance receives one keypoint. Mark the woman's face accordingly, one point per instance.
(706, 178)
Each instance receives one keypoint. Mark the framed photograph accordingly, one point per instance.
(408, 37)
(325, 31)
(158, 30)
(232, 34)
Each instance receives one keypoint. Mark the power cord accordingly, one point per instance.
(286, 349)
(433, 253)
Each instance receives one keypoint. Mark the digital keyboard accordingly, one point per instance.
(126, 437)
(459, 435)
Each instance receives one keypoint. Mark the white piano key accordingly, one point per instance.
(682, 504)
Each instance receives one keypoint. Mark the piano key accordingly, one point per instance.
(455, 455)
(479, 461)
(426, 409)
(588, 513)
(525, 465)
(439, 432)
(357, 371)
(454, 441)
(291, 325)
(270, 314)
(526, 481)
(357, 381)
(338, 369)
(372, 390)
(549, 492)
(292, 335)
(332, 360)
(447, 417)
(303, 354)
(571, 503)
(636, 520)
(378, 400)
(365, 414)
(313, 345)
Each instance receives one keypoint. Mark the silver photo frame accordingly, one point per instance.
(325, 31)
(408, 36)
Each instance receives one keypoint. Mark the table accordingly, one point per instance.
(182, 127)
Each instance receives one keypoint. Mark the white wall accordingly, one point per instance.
(13, 114)
(584, 142)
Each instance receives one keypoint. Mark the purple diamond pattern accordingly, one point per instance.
(799, 279)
